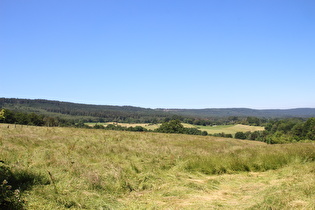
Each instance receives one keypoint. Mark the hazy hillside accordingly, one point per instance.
(243, 112)
(67, 109)
(85, 111)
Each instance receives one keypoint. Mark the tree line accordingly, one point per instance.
(276, 131)
(11, 117)
(283, 131)
(123, 114)
(169, 126)
(172, 126)
(175, 126)
(33, 116)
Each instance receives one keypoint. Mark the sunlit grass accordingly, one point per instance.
(229, 129)
(148, 126)
(94, 169)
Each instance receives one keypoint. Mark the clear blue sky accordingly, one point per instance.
(160, 53)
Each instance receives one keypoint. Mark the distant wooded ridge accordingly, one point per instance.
(245, 112)
(121, 113)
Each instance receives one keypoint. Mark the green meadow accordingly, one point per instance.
(62, 167)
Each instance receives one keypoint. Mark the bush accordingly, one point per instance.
(9, 198)
(173, 126)
(240, 135)
(225, 135)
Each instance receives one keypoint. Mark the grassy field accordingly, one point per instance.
(145, 125)
(62, 168)
(231, 129)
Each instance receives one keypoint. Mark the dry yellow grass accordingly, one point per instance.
(231, 129)
(245, 128)
(145, 125)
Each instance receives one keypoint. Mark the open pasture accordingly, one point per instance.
(100, 169)
(231, 129)
(145, 125)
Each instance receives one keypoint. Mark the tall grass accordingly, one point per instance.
(100, 169)
(262, 158)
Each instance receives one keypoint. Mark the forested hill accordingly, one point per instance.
(245, 112)
(137, 114)
(87, 112)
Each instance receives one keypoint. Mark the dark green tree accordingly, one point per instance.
(7, 116)
(240, 135)
(173, 126)
(309, 129)
(2, 115)
(253, 121)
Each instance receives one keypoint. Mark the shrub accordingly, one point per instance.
(240, 135)
(173, 126)
(9, 198)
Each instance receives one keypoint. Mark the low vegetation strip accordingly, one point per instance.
(273, 132)
(228, 129)
(97, 168)
(254, 159)
(231, 129)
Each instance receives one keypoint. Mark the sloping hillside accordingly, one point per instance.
(114, 113)
(84, 111)
(244, 112)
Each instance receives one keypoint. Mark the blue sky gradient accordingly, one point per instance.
(160, 54)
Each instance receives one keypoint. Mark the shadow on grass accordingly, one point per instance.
(13, 183)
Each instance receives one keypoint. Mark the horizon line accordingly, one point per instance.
(161, 108)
